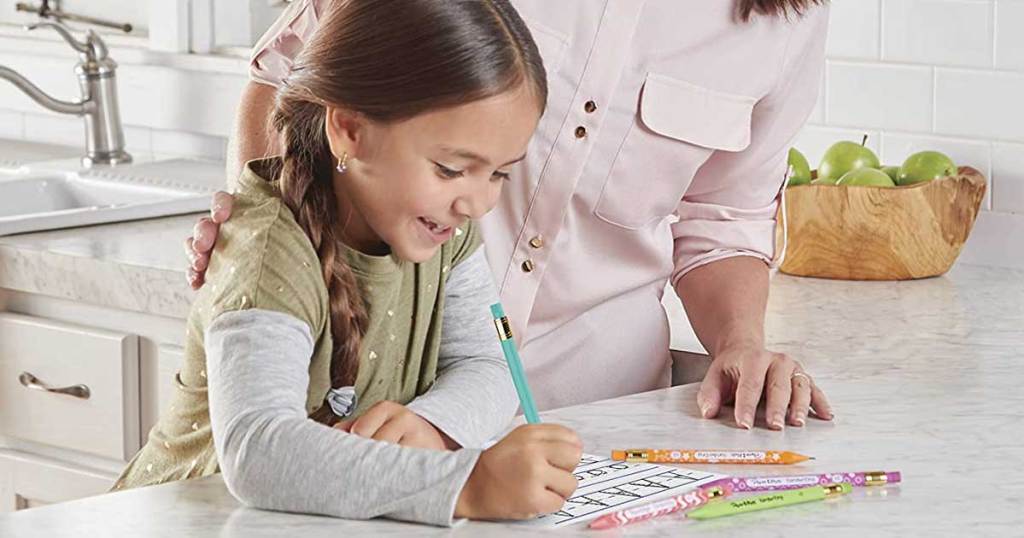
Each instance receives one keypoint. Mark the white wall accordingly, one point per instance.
(933, 74)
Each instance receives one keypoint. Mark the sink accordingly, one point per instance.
(38, 198)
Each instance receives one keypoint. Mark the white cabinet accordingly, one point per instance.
(80, 388)
(69, 386)
(28, 481)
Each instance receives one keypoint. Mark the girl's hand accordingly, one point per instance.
(743, 373)
(395, 423)
(529, 472)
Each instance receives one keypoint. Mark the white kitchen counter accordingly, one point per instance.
(137, 266)
(925, 377)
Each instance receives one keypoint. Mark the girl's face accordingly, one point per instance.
(409, 184)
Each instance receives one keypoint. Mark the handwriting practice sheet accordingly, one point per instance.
(607, 486)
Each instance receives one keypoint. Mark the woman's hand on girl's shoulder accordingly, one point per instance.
(528, 473)
(204, 235)
(394, 423)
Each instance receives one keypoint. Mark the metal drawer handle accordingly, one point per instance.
(33, 382)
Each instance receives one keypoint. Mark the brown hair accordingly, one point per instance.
(387, 60)
(746, 8)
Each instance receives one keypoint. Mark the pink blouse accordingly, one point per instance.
(663, 148)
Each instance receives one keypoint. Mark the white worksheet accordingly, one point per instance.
(607, 486)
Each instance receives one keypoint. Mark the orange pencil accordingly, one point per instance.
(764, 457)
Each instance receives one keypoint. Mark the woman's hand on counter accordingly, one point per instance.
(204, 236)
(742, 374)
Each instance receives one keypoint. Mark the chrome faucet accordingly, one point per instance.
(104, 135)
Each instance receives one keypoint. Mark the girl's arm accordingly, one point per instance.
(273, 457)
(473, 399)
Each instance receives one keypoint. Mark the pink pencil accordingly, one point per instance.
(776, 483)
(686, 501)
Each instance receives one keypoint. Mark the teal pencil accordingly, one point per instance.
(508, 346)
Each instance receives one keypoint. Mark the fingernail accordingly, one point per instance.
(801, 418)
(777, 421)
(745, 424)
(705, 410)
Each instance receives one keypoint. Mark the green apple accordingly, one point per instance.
(925, 166)
(893, 172)
(845, 156)
(801, 169)
(823, 181)
(866, 177)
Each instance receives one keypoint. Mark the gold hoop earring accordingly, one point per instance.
(343, 164)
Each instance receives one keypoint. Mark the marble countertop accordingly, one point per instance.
(137, 266)
(924, 375)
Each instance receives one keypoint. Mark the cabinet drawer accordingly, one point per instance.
(30, 481)
(40, 353)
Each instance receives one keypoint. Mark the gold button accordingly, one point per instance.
(590, 107)
(537, 242)
(528, 266)
(581, 132)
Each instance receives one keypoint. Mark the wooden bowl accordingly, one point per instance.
(880, 233)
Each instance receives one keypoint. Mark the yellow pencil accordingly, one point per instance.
(762, 457)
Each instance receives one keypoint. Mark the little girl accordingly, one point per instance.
(341, 359)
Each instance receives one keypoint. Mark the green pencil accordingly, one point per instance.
(769, 501)
(515, 366)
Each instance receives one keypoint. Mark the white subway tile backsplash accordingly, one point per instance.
(979, 103)
(813, 140)
(176, 100)
(995, 240)
(188, 144)
(818, 113)
(880, 96)
(55, 76)
(896, 147)
(50, 128)
(938, 32)
(53, 128)
(853, 30)
(1008, 177)
(1009, 40)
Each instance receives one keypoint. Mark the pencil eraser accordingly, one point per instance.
(893, 478)
(619, 455)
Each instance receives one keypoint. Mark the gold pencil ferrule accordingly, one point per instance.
(504, 328)
(715, 493)
(833, 490)
(634, 456)
(875, 478)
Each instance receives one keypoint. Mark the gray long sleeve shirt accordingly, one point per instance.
(272, 456)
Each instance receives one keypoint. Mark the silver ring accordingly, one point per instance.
(803, 375)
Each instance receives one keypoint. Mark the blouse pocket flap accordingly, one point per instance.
(697, 115)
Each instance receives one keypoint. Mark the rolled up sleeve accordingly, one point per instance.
(730, 207)
(274, 53)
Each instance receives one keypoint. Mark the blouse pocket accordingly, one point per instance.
(678, 126)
